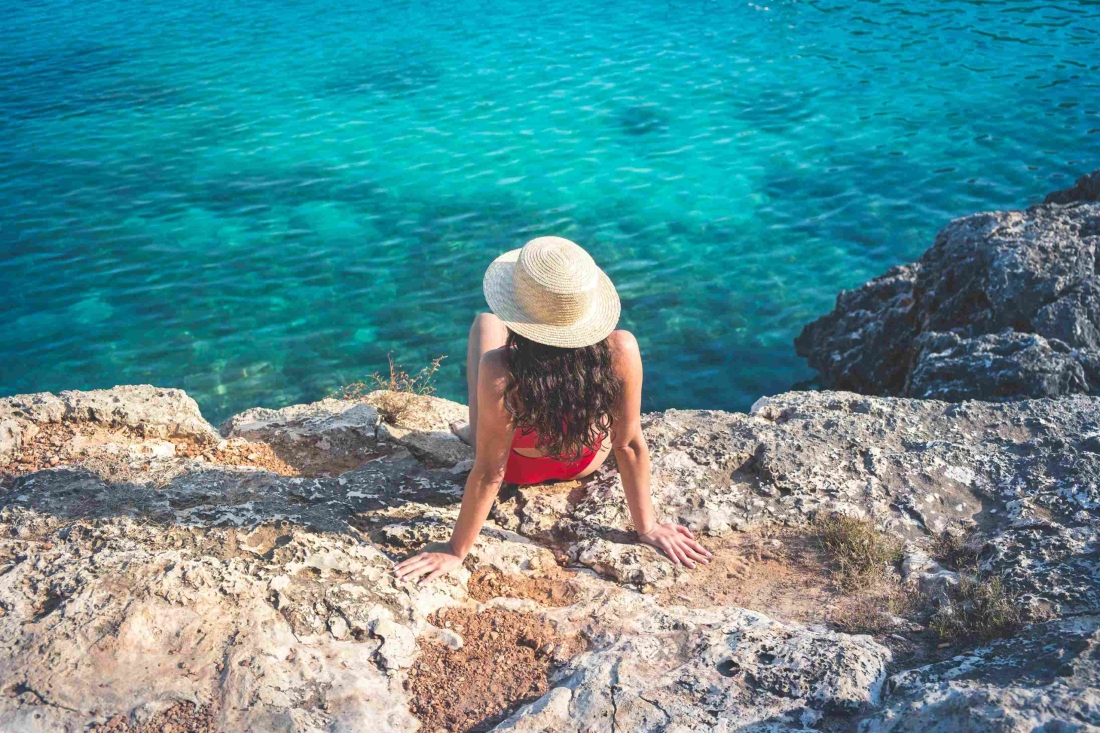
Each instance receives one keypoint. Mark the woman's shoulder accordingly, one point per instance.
(625, 354)
(623, 341)
(494, 366)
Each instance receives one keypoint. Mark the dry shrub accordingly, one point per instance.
(959, 551)
(861, 555)
(980, 606)
(399, 388)
(878, 613)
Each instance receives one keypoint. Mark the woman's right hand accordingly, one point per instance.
(678, 543)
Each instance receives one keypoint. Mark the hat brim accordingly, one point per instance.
(592, 328)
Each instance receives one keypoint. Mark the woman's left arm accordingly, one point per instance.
(494, 441)
(632, 457)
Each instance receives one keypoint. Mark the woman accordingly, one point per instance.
(553, 389)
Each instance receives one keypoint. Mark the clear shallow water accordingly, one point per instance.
(256, 201)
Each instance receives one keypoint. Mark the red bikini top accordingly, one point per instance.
(525, 440)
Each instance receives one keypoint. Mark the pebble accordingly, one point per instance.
(338, 627)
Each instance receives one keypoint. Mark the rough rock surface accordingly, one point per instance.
(1003, 305)
(267, 602)
(157, 413)
(1045, 679)
(340, 435)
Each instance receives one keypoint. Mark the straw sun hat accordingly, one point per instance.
(552, 292)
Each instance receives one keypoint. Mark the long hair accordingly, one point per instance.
(567, 396)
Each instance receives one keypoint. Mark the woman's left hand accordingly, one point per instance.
(434, 560)
(678, 543)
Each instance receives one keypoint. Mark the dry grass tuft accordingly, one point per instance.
(861, 555)
(400, 389)
(980, 606)
(879, 612)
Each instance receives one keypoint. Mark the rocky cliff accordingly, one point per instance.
(1003, 305)
(881, 564)
(157, 574)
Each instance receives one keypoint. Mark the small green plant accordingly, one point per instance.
(398, 380)
(859, 552)
(980, 606)
(398, 390)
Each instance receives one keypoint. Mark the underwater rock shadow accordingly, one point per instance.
(642, 119)
(87, 79)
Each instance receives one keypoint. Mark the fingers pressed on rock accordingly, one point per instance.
(700, 549)
(696, 555)
(412, 567)
(685, 531)
(682, 551)
(414, 574)
(413, 563)
(434, 574)
(408, 560)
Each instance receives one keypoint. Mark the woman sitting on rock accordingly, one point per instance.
(553, 389)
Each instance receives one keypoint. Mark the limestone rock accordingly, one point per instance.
(269, 599)
(152, 411)
(1087, 188)
(422, 423)
(626, 563)
(106, 619)
(336, 434)
(436, 447)
(332, 436)
(1001, 306)
(721, 670)
(1006, 364)
(1046, 678)
(399, 647)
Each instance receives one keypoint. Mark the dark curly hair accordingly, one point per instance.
(567, 396)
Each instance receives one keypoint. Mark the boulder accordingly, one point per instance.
(422, 423)
(151, 411)
(331, 436)
(1002, 306)
(721, 670)
(1087, 188)
(1007, 364)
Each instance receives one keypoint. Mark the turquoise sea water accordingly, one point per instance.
(256, 200)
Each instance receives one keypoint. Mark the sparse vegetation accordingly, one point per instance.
(979, 607)
(878, 612)
(860, 554)
(398, 389)
(398, 380)
(959, 551)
